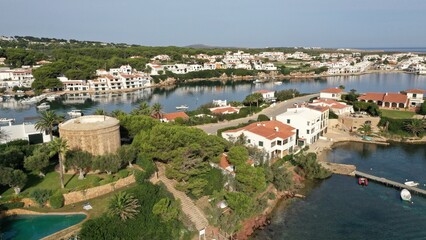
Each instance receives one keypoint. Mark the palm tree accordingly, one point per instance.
(117, 112)
(100, 112)
(143, 109)
(47, 121)
(123, 205)
(3, 135)
(156, 110)
(59, 146)
(415, 126)
(365, 129)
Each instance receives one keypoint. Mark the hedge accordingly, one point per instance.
(57, 200)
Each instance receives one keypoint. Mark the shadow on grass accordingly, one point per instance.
(69, 180)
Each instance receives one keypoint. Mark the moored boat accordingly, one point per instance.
(75, 113)
(363, 181)
(405, 195)
(43, 106)
(182, 107)
(411, 183)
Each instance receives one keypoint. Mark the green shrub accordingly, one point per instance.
(145, 162)
(271, 196)
(41, 195)
(11, 205)
(57, 200)
(123, 173)
(141, 176)
(95, 181)
(106, 180)
(262, 117)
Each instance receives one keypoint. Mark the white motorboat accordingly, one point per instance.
(405, 195)
(6, 120)
(182, 107)
(75, 113)
(52, 97)
(411, 183)
(257, 81)
(43, 106)
(278, 83)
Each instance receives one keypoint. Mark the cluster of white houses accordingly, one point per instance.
(19, 77)
(124, 77)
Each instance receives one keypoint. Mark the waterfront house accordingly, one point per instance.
(415, 97)
(331, 93)
(25, 131)
(386, 100)
(275, 138)
(338, 108)
(171, 117)
(224, 110)
(267, 95)
(310, 122)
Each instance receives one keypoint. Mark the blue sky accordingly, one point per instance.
(240, 23)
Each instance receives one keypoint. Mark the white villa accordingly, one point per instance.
(267, 94)
(24, 132)
(276, 138)
(339, 108)
(310, 122)
(331, 93)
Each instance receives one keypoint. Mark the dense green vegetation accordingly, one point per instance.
(151, 221)
(396, 114)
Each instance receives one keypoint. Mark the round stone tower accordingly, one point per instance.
(96, 134)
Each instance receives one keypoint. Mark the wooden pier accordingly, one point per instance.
(388, 182)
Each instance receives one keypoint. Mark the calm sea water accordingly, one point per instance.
(338, 208)
(196, 94)
(32, 227)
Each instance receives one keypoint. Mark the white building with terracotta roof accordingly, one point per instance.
(276, 138)
(171, 117)
(338, 108)
(310, 122)
(331, 93)
(386, 100)
(415, 97)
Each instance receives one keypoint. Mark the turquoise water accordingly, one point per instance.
(338, 208)
(28, 227)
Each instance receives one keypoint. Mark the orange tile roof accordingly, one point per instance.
(224, 163)
(318, 108)
(395, 97)
(267, 129)
(332, 90)
(174, 115)
(372, 97)
(224, 109)
(331, 103)
(415, 91)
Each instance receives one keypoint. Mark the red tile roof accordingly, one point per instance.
(222, 110)
(318, 108)
(372, 97)
(419, 91)
(224, 163)
(332, 90)
(268, 129)
(330, 103)
(174, 115)
(395, 97)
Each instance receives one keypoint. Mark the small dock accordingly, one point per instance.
(388, 182)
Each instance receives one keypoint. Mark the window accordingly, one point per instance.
(273, 144)
(248, 140)
(414, 95)
(260, 144)
(279, 142)
(307, 131)
(288, 121)
(308, 122)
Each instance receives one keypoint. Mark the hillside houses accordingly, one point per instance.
(20, 77)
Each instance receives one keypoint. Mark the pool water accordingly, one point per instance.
(28, 227)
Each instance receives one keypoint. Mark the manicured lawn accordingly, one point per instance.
(397, 114)
(72, 183)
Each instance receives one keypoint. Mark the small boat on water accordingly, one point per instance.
(278, 83)
(411, 183)
(6, 120)
(405, 195)
(52, 97)
(75, 113)
(257, 81)
(363, 181)
(43, 106)
(182, 107)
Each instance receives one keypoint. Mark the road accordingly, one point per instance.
(271, 112)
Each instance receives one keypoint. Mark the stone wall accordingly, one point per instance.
(84, 195)
(97, 142)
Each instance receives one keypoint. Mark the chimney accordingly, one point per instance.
(386, 94)
(276, 129)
